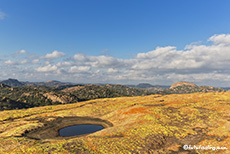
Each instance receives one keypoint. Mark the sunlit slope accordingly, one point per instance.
(143, 124)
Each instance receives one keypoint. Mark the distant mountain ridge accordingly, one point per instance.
(147, 85)
(62, 85)
(51, 83)
(12, 83)
(32, 94)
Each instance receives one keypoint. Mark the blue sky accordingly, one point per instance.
(110, 36)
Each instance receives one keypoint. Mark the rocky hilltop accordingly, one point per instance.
(188, 87)
(182, 83)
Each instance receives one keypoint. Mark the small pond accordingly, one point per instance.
(79, 130)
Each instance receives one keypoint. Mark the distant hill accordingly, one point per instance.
(32, 96)
(147, 86)
(226, 88)
(128, 91)
(183, 83)
(52, 83)
(92, 91)
(188, 87)
(13, 82)
(144, 85)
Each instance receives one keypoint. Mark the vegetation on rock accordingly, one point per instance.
(32, 96)
(141, 124)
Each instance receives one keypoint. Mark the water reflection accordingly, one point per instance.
(79, 130)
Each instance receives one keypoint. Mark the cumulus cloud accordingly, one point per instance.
(80, 57)
(64, 64)
(221, 39)
(2, 15)
(10, 62)
(54, 55)
(48, 68)
(107, 61)
(75, 69)
(112, 70)
(197, 63)
(199, 57)
(24, 62)
(100, 61)
(157, 52)
(22, 51)
(35, 61)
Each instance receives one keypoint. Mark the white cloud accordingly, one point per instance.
(75, 69)
(48, 68)
(35, 61)
(21, 51)
(106, 61)
(80, 57)
(163, 65)
(47, 62)
(157, 53)
(198, 57)
(100, 61)
(10, 62)
(2, 15)
(54, 55)
(221, 39)
(24, 62)
(112, 70)
(65, 63)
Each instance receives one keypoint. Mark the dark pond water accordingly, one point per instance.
(79, 130)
